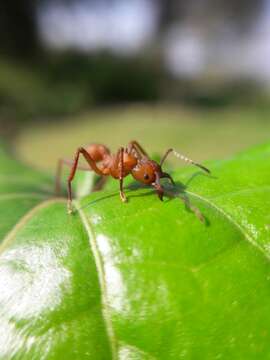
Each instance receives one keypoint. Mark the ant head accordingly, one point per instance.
(149, 172)
(146, 171)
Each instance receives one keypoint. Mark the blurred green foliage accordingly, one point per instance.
(25, 93)
(109, 78)
(68, 83)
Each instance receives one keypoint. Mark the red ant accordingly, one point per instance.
(130, 160)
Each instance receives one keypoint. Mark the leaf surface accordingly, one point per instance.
(142, 280)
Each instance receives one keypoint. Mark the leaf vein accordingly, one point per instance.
(11, 235)
(19, 195)
(101, 275)
(248, 237)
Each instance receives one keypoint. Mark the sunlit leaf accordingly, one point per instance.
(141, 280)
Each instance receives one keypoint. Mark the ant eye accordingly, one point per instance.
(146, 176)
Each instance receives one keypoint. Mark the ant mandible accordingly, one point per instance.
(130, 160)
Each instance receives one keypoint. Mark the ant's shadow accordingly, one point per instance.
(178, 190)
(171, 190)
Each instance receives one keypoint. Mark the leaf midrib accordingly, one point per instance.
(102, 281)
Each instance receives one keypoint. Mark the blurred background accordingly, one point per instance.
(193, 74)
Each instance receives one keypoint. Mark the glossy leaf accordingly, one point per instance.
(142, 280)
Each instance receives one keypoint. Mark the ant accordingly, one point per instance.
(130, 160)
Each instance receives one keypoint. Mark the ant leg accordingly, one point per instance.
(138, 148)
(184, 158)
(158, 187)
(59, 168)
(122, 194)
(92, 165)
(121, 178)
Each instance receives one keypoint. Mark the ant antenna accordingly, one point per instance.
(184, 158)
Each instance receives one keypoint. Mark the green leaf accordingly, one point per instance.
(141, 280)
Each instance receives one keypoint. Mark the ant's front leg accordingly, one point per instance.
(158, 187)
(121, 177)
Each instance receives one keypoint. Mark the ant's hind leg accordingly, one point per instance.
(59, 168)
(92, 166)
